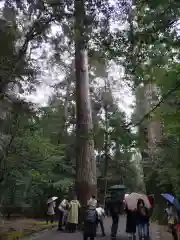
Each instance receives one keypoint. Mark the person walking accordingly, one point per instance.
(51, 212)
(101, 214)
(62, 214)
(73, 214)
(114, 212)
(142, 217)
(131, 224)
(90, 223)
(172, 220)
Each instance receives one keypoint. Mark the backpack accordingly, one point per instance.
(91, 215)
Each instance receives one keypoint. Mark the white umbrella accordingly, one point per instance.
(52, 199)
(126, 195)
(132, 199)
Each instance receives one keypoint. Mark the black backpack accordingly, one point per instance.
(91, 215)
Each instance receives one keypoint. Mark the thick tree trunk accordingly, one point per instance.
(155, 133)
(86, 182)
(154, 137)
(142, 131)
(108, 101)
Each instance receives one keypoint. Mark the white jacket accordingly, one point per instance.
(100, 212)
(62, 205)
(51, 208)
(92, 202)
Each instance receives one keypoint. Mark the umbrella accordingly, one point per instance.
(171, 199)
(52, 199)
(117, 187)
(132, 199)
(126, 195)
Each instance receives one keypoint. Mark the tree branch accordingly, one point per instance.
(34, 31)
(163, 98)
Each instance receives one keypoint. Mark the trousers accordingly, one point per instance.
(114, 227)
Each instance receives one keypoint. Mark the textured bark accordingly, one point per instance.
(154, 128)
(150, 129)
(107, 98)
(154, 138)
(86, 181)
(143, 145)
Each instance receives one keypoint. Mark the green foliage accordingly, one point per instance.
(121, 167)
(158, 47)
(35, 166)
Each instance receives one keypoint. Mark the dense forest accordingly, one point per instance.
(84, 54)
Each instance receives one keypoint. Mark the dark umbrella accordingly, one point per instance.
(117, 187)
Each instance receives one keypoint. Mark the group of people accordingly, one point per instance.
(94, 215)
(68, 212)
(137, 219)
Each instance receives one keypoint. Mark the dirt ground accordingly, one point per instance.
(16, 228)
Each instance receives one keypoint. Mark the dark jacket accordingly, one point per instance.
(114, 208)
(142, 218)
(114, 211)
(90, 227)
(130, 221)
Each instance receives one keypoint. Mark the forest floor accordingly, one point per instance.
(17, 228)
(157, 233)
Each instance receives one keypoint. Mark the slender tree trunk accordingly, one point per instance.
(86, 182)
(67, 97)
(66, 104)
(13, 132)
(63, 133)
